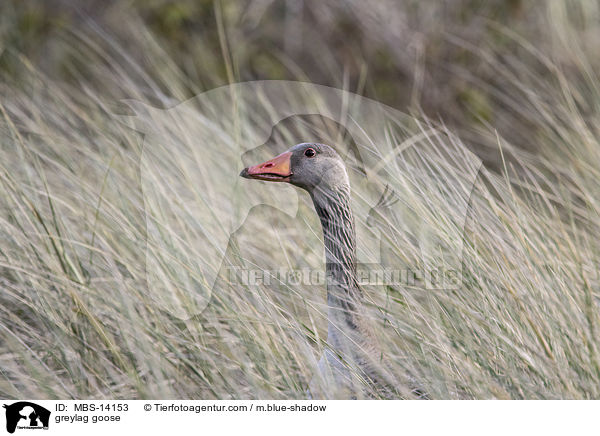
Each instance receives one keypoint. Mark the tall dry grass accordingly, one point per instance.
(76, 320)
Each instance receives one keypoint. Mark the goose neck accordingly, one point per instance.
(339, 235)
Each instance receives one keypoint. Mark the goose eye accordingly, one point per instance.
(309, 152)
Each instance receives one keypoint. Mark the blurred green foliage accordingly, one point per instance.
(423, 56)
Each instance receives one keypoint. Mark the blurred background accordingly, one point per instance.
(461, 61)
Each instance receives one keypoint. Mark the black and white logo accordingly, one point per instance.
(26, 415)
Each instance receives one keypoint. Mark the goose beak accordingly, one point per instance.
(277, 169)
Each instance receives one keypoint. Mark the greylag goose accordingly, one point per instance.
(351, 361)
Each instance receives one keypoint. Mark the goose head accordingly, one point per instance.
(310, 166)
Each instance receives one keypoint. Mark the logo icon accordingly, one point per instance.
(404, 174)
(26, 415)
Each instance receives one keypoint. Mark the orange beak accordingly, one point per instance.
(274, 170)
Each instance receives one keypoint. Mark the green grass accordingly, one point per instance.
(78, 318)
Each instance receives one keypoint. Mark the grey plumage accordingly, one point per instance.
(350, 366)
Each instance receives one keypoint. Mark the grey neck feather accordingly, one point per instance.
(339, 234)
